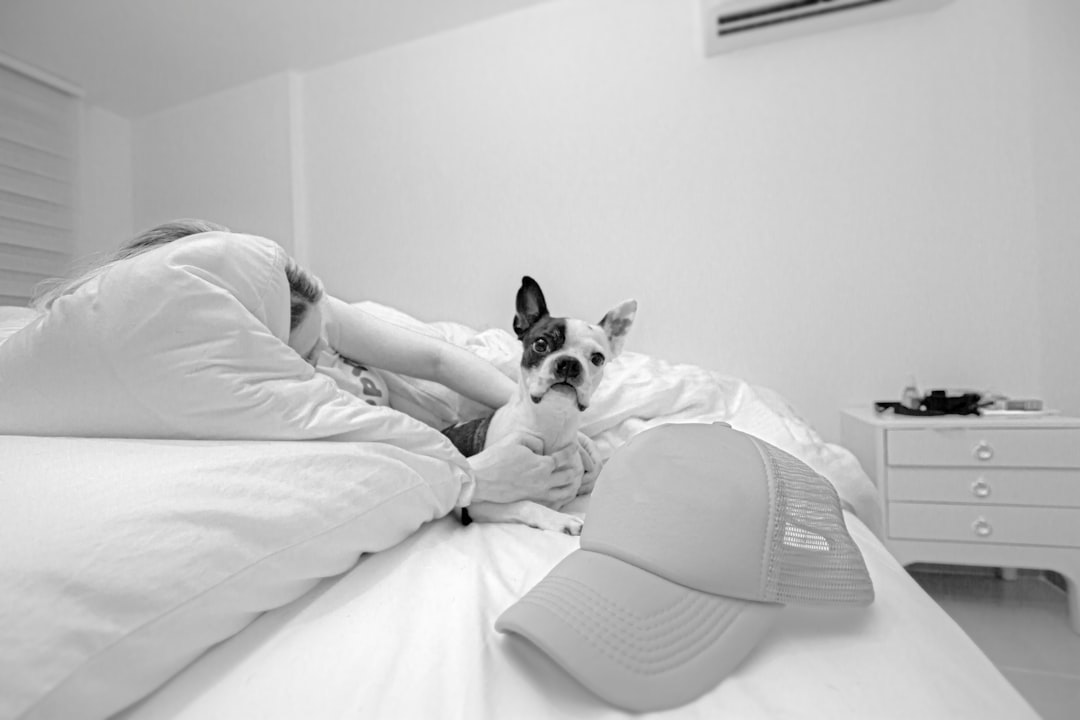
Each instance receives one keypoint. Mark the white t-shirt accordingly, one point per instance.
(352, 377)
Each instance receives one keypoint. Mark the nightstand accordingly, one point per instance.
(969, 490)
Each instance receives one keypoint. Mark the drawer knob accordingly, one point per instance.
(982, 527)
(983, 451)
(980, 488)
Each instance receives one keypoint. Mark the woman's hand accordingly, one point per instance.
(513, 469)
(591, 462)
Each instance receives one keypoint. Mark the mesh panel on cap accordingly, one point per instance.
(812, 558)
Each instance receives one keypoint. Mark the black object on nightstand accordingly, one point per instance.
(937, 402)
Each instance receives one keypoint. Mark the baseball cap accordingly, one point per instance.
(697, 535)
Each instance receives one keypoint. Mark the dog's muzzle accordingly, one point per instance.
(568, 369)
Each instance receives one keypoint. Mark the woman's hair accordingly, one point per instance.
(304, 289)
(46, 293)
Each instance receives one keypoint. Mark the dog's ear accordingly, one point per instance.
(616, 324)
(530, 306)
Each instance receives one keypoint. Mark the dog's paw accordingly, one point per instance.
(555, 521)
(573, 525)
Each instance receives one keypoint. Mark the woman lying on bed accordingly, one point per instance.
(324, 331)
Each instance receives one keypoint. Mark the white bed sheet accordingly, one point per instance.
(408, 633)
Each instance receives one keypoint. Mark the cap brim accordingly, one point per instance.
(639, 641)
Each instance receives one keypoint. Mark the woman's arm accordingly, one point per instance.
(365, 338)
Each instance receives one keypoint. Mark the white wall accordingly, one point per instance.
(824, 216)
(105, 202)
(1055, 59)
(226, 158)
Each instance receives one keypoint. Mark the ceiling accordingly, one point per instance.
(135, 57)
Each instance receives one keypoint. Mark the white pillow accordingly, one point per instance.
(123, 560)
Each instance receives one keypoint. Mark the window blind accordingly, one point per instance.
(38, 152)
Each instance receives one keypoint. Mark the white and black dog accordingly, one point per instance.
(562, 362)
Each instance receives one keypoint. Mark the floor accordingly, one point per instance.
(1022, 625)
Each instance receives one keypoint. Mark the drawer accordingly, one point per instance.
(984, 447)
(989, 486)
(985, 524)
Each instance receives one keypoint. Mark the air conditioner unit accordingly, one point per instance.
(733, 24)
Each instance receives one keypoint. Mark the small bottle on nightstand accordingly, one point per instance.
(910, 397)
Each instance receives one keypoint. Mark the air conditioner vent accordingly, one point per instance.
(732, 24)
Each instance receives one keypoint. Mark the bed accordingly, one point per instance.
(266, 578)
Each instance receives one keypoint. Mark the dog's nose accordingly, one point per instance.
(567, 368)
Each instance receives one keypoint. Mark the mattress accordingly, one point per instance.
(408, 633)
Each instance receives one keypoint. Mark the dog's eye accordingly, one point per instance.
(597, 359)
(540, 345)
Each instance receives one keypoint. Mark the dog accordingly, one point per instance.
(562, 363)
